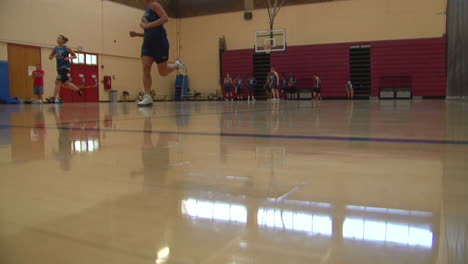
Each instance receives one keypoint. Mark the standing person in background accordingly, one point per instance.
(317, 88)
(284, 86)
(38, 76)
(350, 90)
(228, 86)
(275, 83)
(239, 87)
(267, 86)
(292, 94)
(251, 82)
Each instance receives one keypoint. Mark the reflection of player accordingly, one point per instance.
(156, 159)
(155, 47)
(38, 131)
(64, 151)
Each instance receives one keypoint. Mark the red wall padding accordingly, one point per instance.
(238, 62)
(330, 62)
(422, 59)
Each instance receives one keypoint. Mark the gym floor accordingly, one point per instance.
(233, 182)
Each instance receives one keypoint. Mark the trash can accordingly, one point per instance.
(113, 96)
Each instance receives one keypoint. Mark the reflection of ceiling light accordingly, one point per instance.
(243, 244)
(390, 211)
(295, 221)
(163, 255)
(214, 210)
(90, 145)
(390, 232)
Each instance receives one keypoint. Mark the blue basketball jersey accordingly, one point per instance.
(251, 81)
(274, 79)
(60, 54)
(239, 82)
(154, 33)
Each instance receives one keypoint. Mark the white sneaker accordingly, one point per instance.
(253, 98)
(182, 68)
(147, 101)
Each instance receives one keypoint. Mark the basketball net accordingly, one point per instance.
(267, 48)
(273, 8)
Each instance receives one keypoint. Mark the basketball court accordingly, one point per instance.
(198, 178)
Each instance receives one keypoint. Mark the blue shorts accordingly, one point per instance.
(239, 89)
(38, 89)
(251, 88)
(158, 50)
(62, 75)
(228, 88)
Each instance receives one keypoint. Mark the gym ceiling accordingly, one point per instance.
(191, 8)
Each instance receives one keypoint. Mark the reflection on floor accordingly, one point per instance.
(227, 182)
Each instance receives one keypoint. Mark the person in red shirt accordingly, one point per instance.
(38, 76)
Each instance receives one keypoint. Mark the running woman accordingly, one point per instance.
(251, 82)
(63, 55)
(155, 47)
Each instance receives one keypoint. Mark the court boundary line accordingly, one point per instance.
(265, 136)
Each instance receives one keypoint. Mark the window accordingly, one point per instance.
(93, 59)
(88, 59)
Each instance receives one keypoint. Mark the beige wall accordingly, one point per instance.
(3, 51)
(334, 22)
(98, 26)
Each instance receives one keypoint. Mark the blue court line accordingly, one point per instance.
(319, 138)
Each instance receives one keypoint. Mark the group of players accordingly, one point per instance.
(276, 87)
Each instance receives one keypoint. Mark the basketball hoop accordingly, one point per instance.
(270, 40)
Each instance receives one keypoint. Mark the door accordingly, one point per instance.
(84, 74)
(91, 93)
(19, 58)
(360, 70)
(68, 95)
